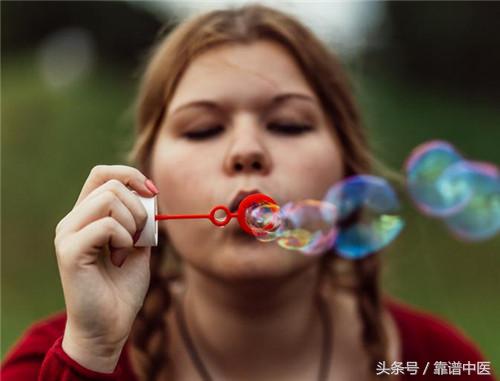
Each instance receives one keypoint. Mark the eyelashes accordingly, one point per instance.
(205, 133)
(278, 128)
(289, 128)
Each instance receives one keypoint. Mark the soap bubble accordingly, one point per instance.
(479, 183)
(425, 165)
(358, 216)
(308, 226)
(367, 217)
(264, 220)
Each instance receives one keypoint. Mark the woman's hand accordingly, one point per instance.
(104, 278)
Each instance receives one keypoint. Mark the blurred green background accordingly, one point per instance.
(431, 72)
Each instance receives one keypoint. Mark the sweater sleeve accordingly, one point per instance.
(57, 365)
(435, 344)
(39, 356)
(448, 344)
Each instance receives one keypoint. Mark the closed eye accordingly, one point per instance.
(281, 128)
(204, 133)
(289, 128)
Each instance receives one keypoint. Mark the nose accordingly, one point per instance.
(249, 162)
(247, 152)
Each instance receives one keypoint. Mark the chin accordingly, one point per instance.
(258, 262)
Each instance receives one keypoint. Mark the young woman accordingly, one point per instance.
(232, 102)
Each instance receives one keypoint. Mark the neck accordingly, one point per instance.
(265, 324)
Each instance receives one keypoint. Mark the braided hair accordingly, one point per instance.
(149, 331)
(168, 61)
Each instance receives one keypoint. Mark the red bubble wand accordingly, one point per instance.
(247, 202)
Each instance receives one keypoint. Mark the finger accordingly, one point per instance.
(104, 204)
(118, 256)
(129, 176)
(127, 197)
(92, 238)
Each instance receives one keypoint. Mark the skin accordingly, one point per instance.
(249, 305)
(256, 299)
(240, 82)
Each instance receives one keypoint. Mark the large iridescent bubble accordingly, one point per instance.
(368, 218)
(479, 183)
(463, 193)
(359, 216)
(308, 226)
(424, 167)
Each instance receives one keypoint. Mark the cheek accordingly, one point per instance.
(312, 169)
(181, 177)
(183, 184)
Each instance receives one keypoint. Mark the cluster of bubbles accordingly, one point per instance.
(360, 215)
(464, 194)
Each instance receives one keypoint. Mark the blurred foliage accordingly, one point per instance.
(50, 141)
(52, 138)
(426, 266)
(122, 31)
(453, 44)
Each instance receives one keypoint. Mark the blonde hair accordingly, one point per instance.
(324, 72)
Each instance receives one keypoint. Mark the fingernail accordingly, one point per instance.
(118, 256)
(137, 235)
(120, 264)
(149, 184)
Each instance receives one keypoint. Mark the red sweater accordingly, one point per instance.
(38, 355)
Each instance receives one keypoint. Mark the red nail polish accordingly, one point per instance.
(137, 235)
(151, 186)
(122, 262)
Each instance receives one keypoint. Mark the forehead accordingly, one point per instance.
(241, 73)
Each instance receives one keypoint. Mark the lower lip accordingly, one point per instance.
(242, 235)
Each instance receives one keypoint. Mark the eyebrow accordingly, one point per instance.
(276, 100)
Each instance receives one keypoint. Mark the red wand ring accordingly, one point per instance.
(247, 202)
